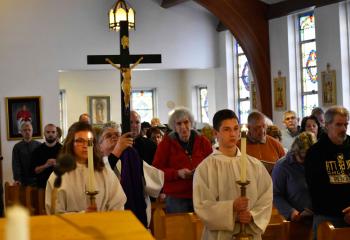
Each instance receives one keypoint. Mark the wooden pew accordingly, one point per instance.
(35, 200)
(30, 197)
(189, 226)
(184, 226)
(14, 194)
(326, 231)
(278, 228)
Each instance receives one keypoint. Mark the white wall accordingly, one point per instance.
(39, 38)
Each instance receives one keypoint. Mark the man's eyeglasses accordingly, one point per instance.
(114, 135)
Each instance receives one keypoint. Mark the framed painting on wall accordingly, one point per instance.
(329, 87)
(99, 109)
(20, 110)
(279, 86)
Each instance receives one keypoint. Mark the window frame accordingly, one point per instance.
(303, 93)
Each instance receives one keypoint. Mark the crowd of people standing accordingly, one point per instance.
(297, 169)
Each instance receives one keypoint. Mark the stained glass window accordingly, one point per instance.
(243, 84)
(309, 62)
(142, 101)
(203, 104)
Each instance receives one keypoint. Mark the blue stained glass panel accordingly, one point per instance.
(243, 72)
(309, 103)
(308, 83)
(307, 27)
(309, 55)
(243, 92)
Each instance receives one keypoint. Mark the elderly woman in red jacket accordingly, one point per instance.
(178, 155)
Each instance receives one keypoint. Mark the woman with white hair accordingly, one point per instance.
(178, 155)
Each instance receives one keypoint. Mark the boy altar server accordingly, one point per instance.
(216, 195)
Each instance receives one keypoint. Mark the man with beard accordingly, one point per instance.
(44, 157)
(327, 171)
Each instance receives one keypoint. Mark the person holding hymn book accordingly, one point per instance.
(216, 195)
(290, 193)
(71, 194)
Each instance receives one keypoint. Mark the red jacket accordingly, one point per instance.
(170, 157)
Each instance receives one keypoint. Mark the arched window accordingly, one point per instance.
(309, 85)
(244, 84)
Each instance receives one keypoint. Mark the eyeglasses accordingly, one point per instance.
(114, 135)
(81, 141)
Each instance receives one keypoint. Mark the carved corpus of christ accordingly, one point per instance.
(126, 82)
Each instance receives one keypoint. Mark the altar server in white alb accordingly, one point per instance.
(70, 195)
(216, 195)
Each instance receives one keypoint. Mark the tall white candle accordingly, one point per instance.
(243, 160)
(17, 223)
(91, 178)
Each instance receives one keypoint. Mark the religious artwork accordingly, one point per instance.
(99, 109)
(329, 87)
(279, 92)
(20, 110)
(126, 82)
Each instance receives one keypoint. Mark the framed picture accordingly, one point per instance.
(20, 110)
(279, 86)
(329, 87)
(99, 109)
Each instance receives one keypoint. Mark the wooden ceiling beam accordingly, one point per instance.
(252, 33)
(284, 8)
(171, 3)
(221, 27)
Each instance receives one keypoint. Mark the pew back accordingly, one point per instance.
(30, 197)
(327, 231)
(185, 226)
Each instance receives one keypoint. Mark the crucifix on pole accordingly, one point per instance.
(124, 59)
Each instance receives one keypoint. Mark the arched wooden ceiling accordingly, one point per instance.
(247, 20)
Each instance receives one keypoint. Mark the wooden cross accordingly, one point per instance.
(124, 59)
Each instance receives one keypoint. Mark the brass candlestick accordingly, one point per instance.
(242, 235)
(92, 201)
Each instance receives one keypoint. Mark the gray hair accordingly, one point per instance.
(289, 112)
(107, 125)
(255, 116)
(178, 114)
(333, 111)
